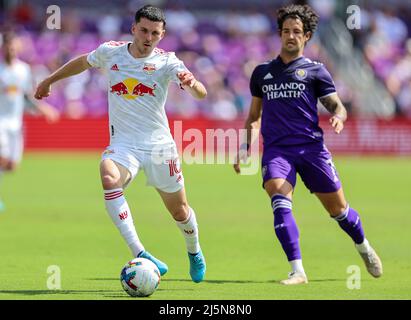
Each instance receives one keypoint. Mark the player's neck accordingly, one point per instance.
(287, 57)
(133, 50)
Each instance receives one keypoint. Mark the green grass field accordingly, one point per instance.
(55, 216)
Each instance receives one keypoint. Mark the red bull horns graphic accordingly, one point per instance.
(131, 89)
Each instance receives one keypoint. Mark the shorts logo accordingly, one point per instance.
(108, 151)
(300, 74)
(179, 178)
(172, 164)
(264, 171)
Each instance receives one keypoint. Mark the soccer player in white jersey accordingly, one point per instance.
(139, 74)
(16, 91)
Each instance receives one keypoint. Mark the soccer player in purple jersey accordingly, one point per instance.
(284, 98)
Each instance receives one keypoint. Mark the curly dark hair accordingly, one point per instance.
(305, 13)
(151, 13)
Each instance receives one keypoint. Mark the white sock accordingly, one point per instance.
(120, 214)
(363, 247)
(189, 229)
(297, 265)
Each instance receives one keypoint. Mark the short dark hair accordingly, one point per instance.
(151, 13)
(305, 13)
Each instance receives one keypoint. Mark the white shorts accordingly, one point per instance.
(164, 174)
(11, 144)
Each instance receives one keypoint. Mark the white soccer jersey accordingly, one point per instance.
(15, 81)
(137, 94)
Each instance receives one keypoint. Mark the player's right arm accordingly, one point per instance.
(252, 126)
(71, 68)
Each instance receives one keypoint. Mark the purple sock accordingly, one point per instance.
(350, 222)
(285, 226)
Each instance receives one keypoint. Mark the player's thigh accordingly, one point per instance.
(113, 175)
(11, 149)
(318, 172)
(118, 167)
(279, 173)
(334, 202)
(165, 175)
(17, 146)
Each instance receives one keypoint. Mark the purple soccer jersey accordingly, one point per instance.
(293, 140)
(290, 93)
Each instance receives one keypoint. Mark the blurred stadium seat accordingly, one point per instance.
(220, 46)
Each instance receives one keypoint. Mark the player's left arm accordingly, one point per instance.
(339, 114)
(192, 85)
(40, 107)
(43, 108)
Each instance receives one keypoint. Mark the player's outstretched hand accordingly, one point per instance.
(242, 156)
(49, 112)
(43, 90)
(186, 79)
(236, 165)
(337, 124)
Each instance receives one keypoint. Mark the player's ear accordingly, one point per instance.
(133, 28)
(308, 36)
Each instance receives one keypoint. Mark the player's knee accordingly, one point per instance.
(334, 210)
(278, 186)
(180, 212)
(110, 182)
(4, 163)
(10, 166)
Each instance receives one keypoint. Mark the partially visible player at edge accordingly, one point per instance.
(139, 74)
(284, 98)
(16, 93)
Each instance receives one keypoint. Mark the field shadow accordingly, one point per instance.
(216, 281)
(222, 281)
(54, 292)
(186, 280)
(326, 280)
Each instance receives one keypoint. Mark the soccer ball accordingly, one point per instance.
(140, 277)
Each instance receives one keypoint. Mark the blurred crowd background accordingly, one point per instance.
(221, 42)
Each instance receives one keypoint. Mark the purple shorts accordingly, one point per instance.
(313, 162)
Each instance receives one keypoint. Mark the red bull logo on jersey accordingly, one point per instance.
(149, 68)
(132, 88)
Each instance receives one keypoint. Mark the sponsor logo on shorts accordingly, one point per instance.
(108, 151)
(264, 171)
(172, 164)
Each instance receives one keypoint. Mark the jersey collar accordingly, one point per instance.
(280, 61)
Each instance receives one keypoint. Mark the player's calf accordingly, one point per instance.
(350, 222)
